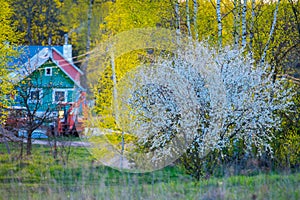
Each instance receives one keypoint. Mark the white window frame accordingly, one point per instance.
(40, 99)
(60, 90)
(71, 90)
(46, 68)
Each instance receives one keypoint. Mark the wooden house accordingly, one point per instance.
(46, 78)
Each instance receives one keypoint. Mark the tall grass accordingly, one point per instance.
(82, 177)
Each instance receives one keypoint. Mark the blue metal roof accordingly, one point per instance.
(27, 52)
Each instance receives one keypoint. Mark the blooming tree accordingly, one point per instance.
(200, 98)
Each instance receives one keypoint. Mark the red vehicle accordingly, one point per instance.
(70, 122)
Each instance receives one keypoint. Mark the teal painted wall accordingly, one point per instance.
(58, 79)
(47, 84)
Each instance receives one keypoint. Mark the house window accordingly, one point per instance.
(35, 95)
(59, 95)
(48, 71)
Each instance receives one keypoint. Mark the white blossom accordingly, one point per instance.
(201, 97)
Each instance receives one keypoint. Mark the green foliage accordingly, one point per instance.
(39, 21)
(74, 18)
(8, 37)
(104, 90)
(104, 99)
(124, 15)
(286, 143)
(229, 161)
(207, 22)
(284, 46)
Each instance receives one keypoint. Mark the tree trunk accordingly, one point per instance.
(188, 23)
(88, 39)
(177, 20)
(7, 146)
(177, 17)
(115, 92)
(29, 143)
(235, 23)
(252, 28)
(21, 150)
(263, 57)
(195, 19)
(88, 45)
(53, 133)
(29, 19)
(244, 24)
(295, 12)
(219, 19)
(48, 21)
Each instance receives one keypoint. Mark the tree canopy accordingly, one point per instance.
(8, 39)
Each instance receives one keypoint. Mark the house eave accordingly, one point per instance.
(75, 82)
(81, 72)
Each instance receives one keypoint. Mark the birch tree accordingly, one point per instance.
(177, 16)
(264, 53)
(236, 4)
(188, 23)
(219, 20)
(244, 24)
(195, 13)
(251, 30)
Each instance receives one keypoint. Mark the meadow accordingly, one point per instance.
(75, 174)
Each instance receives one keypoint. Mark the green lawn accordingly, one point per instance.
(77, 175)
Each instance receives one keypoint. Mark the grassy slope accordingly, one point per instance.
(42, 177)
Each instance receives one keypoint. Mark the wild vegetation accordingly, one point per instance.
(82, 177)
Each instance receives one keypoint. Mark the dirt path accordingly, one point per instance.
(114, 161)
(61, 143)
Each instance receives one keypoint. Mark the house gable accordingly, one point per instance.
(49, 87)
(40, 58)
(58, 78)
(69, 68)
(50, 75)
